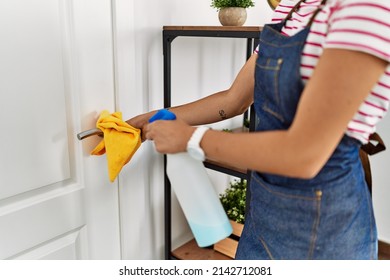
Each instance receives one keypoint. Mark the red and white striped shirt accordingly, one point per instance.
(362, 25)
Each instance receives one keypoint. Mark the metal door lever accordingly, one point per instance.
(89, 132)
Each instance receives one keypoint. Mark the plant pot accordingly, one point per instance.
(273, 3)
(233, 16)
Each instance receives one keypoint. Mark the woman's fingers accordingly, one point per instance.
(168, 136)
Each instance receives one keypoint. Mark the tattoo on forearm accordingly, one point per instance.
(222, 114)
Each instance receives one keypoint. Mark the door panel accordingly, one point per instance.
(66, 247)
(55, 200)
(40, 218)
(32, 98)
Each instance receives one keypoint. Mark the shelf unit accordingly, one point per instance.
(251, 33)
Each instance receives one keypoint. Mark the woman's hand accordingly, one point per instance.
(140, 122)
(169, 136)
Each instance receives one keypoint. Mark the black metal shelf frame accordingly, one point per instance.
(169, 34)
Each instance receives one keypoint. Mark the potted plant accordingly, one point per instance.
(273, 3)
(233, 201)
(232, 12)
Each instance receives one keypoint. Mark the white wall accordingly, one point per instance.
(380, 165)
(200, 66)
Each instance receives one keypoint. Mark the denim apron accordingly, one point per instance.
(327, 217)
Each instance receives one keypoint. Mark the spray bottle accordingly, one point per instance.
(196, 194)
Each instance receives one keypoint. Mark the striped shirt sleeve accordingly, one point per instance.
(361, 25)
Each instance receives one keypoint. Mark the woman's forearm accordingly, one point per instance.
(224, 104)
(210, 109)
(216, 107)
(274, 152)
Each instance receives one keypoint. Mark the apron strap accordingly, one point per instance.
(296, 8)
(370, 149)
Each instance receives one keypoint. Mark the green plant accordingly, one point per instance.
(233, 200)
(218, 4)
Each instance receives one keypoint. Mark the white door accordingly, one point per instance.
(56, 74)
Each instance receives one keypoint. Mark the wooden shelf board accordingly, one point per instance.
(191, 251)
(384, 251)
(212, 28)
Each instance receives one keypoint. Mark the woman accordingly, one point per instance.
(320, 83)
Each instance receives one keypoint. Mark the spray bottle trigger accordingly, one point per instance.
(163, 114)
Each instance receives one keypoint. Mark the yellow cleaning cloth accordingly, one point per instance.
(120, 142)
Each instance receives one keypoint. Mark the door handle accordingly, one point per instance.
(89, 132)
